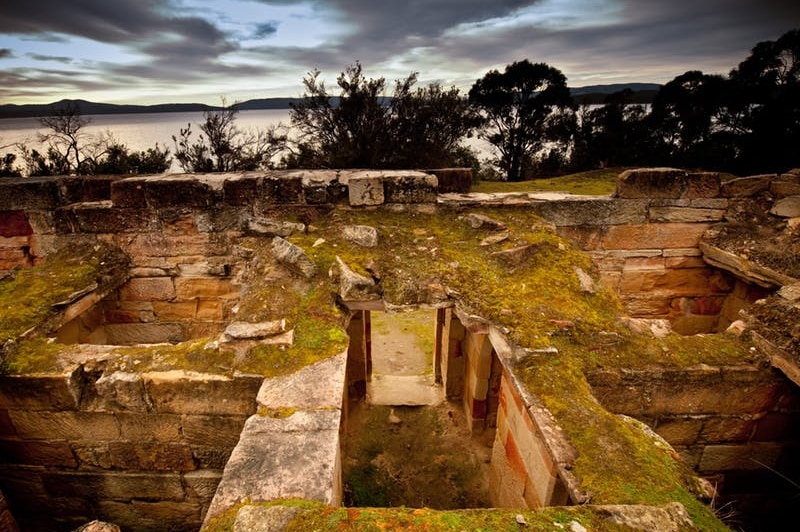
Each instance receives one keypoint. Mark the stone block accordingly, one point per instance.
(6, 427)
(143, 515)
(680, 430)
(652, 183)
(453, 179)
(788, 207)
(14, 223)
(202, 484)
(283, 189)
(71, 426)
(175, 310)
(675, 283)
(242, 189)
(113, 485)
(703, 185)
(120, 391)
(410, 187)
(755, 456)
(744, 187)
(210, 310)
(204, 288)
(149, 427)
(297, 456)
(128, 193)
(320, 385)
(148, 289)
(213, 431)
(184, 190)
(151, 456)
(654, 236)
(678, 262)
(690, 325)
(37, 453)
(365, 189)
(685, 214)
(479, 354)
(143, 333)
(27, 194)
(210, 457)
(182, 392)
(728, 429)
(40, 392)
(644, 263)
(783, 187)
(263, 519)
(590, 212)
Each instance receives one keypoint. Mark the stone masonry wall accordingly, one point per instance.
(143, 451)
(726, 422)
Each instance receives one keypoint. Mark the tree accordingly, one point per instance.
(363, 128)
(65, 137)
(523, 108)
(766, 115)
(118, 161)
(345, 132)
(686, 121)
(225, 147)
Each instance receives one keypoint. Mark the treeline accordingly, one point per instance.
(746, 122)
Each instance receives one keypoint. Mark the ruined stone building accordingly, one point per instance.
(179, 351)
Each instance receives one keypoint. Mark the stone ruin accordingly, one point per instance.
(178, 352)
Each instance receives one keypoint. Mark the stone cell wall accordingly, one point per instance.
(524, 473)
(645, 239)
(726, 422)
(7, 522)
(143, 451)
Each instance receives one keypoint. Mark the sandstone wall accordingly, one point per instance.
(734, 422)
(143, 451)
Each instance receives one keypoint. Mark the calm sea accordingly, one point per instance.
(136, 131)
(141, 131)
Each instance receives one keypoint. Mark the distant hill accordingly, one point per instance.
(596, 94)
(593, 94)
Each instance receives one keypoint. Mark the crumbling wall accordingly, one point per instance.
(143, 451)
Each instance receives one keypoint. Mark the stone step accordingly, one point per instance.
(404, 390)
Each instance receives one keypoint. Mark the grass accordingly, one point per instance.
(591, 183)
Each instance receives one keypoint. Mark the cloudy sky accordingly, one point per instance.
(158, 51)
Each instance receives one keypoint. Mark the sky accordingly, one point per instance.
(163, 51)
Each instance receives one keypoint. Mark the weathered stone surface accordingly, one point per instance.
(243, 189)
(785, 185)
(654, 236)
(685, 214)
(202, 484)
(148, 289)
(121, 391)
(149, 427)
(592, 211)
(293, 257)
(744, 268)
(652, 183)
(365, 190)
(188, 392)
(98, 526)
(29, 193)
(143, 333)
(671, 517)
(263, 518)
(271, 227)
(745, 187)
(515, 256)
(115, 485)
(65, 425)
(481, 221)
(190, 190)
(40, 392)
(585, 281)
(787, 207)
(361, 235)
(37, 453)
(453, 179)
(752, 456)
(355, 287)
(409, 187)
(297, 456)
(213, 431)
(14, 223)
(239, 330)
(318, 386)
(204, 288)
(283, 189)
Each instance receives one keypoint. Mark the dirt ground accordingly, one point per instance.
(413, 456)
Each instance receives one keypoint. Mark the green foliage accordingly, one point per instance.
(363, 128)
(524, 108)
(225, 147)
(8, 169)
(119, 161)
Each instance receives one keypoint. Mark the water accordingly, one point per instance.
(142, 131)
(136, 131)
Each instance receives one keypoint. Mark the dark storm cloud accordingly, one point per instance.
(265, 29)
(6, 52)
(58, 59)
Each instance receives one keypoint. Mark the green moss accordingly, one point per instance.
(593, 183)
(201, 355)
(322, 518)
(28, 296)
